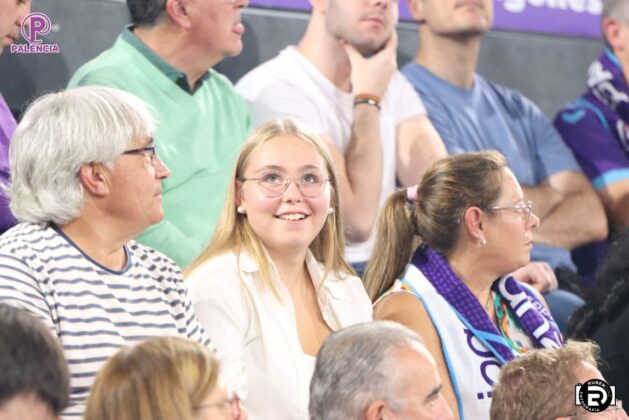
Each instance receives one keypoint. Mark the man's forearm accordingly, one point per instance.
(545, 199)
(615, 198)
(364, 162)
(619, 213)
(577, 220)
(418, 147)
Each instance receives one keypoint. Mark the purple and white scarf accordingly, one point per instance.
(608, 96)
(525, 305)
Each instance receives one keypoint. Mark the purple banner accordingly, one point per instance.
(566, 17)
(569, 17)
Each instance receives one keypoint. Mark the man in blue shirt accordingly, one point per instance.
(471, 113)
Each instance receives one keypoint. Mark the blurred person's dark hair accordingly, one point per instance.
(146, 12)
(31, 360)
(611, 294)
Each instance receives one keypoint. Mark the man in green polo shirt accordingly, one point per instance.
(166, 57)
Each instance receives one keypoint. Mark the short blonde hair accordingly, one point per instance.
(525, 383)
(163, 378)
(233, 232)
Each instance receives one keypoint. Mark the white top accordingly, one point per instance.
(91, 309)
(473, 368)
(257, 334)
(290, 86)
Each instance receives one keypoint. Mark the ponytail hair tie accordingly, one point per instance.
(411, 193)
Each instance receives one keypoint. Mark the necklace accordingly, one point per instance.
(488, 300)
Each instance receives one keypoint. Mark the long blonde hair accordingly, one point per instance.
(233, 232)
(160, 379)
(446, 190)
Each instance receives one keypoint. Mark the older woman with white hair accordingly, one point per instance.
(85, 180)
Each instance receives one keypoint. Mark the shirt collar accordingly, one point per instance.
(249, 265)
(178, 77)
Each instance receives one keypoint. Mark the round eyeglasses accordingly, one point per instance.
(310, 185)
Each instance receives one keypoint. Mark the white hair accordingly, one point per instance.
(356, 367)
(60, 132)
(616, 9)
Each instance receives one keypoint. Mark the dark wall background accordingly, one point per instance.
(548, 69)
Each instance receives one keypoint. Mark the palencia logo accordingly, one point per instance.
(593, 7)
(34, 27)
(595, 395)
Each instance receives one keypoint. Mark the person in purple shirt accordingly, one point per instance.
(12, 13)
(595, 126)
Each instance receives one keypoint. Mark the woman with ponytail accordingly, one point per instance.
(605, 317)
(447, 248)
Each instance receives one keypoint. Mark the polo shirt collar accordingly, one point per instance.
(178, 77)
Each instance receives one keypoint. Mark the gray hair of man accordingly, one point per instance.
(355, 367)
(616, 9)
(60, 132)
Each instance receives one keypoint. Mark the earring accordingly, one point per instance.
(330, 210)
(482, 243)
(241, 210)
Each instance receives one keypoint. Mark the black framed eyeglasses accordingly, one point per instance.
(274, 185)
(149, 152)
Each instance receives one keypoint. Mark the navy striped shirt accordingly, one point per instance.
(93, 310)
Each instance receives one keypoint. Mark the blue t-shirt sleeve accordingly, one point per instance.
(434, 107)
(595, 145)
(438, 117)
(552, 155)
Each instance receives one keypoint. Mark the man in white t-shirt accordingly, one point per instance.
(342, 81)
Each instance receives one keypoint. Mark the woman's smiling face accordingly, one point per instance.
(294, 218)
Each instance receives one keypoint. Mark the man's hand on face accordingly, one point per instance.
(372, 74)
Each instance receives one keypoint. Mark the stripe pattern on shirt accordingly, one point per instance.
(93, 310)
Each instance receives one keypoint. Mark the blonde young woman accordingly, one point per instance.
(443, 269)
(164, 378)
(272, 284)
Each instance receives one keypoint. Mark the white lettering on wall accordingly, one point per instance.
(593, 7)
